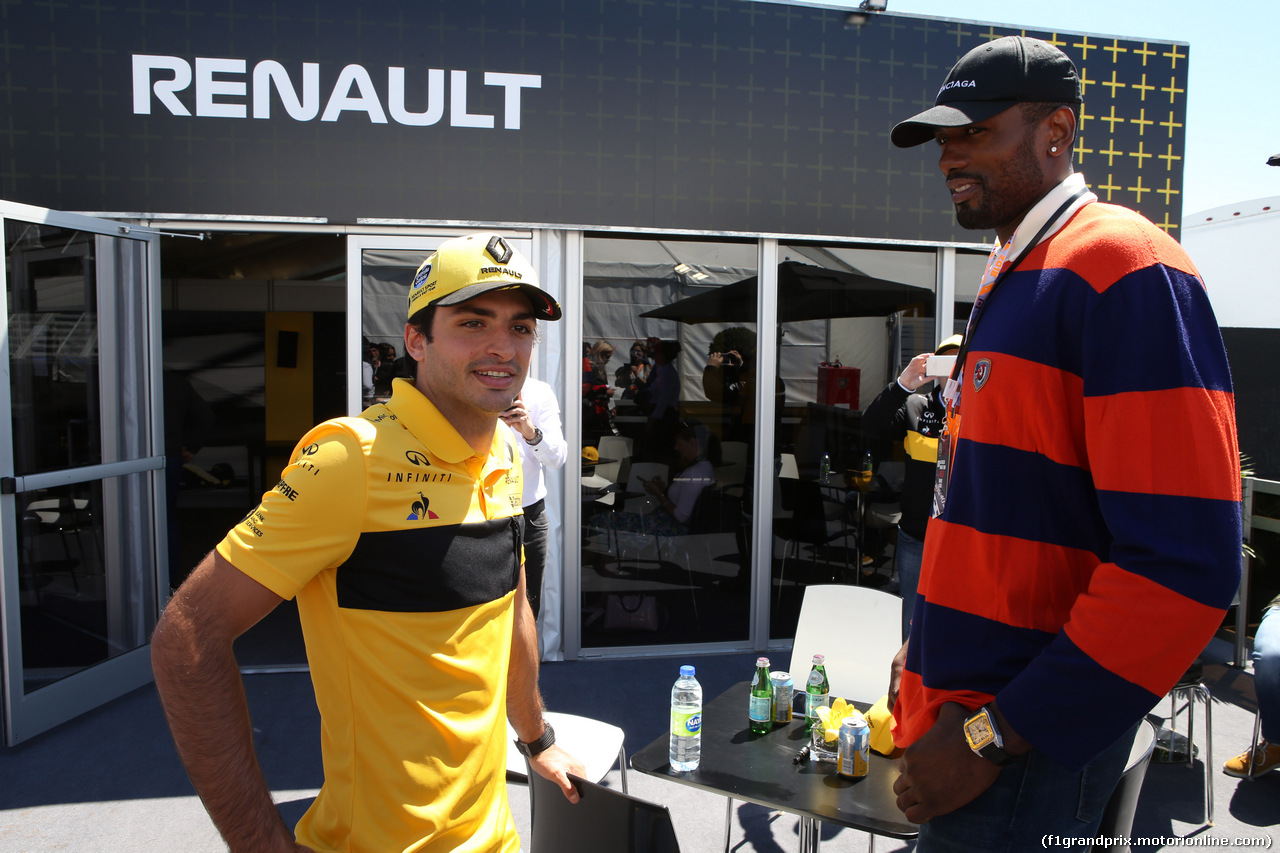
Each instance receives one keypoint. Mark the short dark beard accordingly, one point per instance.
(1019, 191)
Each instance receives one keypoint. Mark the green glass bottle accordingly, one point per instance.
(817, 692)
(761, 709)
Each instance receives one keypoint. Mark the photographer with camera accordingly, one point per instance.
(729, 361)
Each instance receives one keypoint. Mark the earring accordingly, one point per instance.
(1053, 149)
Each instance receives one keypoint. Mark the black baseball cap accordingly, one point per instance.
(988, 80)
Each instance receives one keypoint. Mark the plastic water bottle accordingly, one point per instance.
(686, 721)
(824, 469)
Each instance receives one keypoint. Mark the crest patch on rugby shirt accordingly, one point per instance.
(981, 373)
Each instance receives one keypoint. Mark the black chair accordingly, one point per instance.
(602, 820)
(1117, 817)
(813, 521)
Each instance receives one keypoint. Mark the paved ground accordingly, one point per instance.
(110, 780)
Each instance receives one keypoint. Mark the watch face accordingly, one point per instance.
(977, 729)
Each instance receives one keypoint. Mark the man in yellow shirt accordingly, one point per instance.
(398, 534)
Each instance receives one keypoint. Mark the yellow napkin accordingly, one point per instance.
(879, 719)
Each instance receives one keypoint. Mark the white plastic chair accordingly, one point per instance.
(734, 458)
(858, 629)
(617, 448)
(597, 744)
(787, 466)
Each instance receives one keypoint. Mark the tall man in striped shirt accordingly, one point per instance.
(1085, 542)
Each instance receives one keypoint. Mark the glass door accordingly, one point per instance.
(79, 466)
(669, 391)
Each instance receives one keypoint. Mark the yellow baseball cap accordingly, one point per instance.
(465, 267)
(952, 342)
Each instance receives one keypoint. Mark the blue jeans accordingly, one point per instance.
(908, 554)
(1032, 798)
(1266, 673)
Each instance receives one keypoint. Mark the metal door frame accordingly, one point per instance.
(28, 714)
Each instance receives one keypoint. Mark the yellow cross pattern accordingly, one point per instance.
(1140, 154)
(1113, 84)
(1141, 121)
(1143, 87)
(1084, 47)
(1085, 82)
(1108, 187)
(1112, 119)
(1144, 52)
(1130, 128)
(1139, 189)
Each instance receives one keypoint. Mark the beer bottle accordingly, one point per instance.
(761, 709)
(817, 692)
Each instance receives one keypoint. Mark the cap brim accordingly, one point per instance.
(544, 305)
(921, 128)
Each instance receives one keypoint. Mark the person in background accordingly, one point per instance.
(398, 533)
(730, 380)
(368, 368)
(664, 399)
(535, 418)
(675, 499)
(597, 393)
(1266, 685)
(1075, 564)
(634, 375)
(386, 370)
(899, 413)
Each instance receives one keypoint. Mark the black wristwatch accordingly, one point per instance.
(537, 437)
(539, 746)
(984, 738)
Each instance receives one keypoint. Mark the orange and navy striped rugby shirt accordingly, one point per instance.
(1090, 543)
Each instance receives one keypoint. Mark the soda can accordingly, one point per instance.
(782, 686)
(855, 747)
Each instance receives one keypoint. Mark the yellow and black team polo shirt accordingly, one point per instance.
(403, 549)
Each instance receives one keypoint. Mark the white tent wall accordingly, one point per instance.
(1234, 247)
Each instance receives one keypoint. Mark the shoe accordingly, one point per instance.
(1266, 756)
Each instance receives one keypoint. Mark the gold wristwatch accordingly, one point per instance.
(983, 735)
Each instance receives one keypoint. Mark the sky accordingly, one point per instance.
(1233, 118)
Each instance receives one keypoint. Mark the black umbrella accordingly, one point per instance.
(805, 292)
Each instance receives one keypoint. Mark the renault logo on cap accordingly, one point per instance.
(498, 250)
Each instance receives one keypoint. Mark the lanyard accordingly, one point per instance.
(997, 270)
